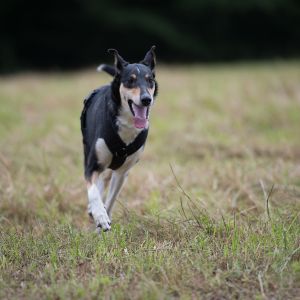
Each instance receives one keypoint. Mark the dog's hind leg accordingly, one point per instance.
(118, 178)
(95, 206)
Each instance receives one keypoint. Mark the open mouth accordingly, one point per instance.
(140, 114)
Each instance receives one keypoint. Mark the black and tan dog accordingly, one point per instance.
(114, 125)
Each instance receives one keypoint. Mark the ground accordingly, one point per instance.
(210, 212)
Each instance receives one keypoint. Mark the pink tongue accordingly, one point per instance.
(140, 116)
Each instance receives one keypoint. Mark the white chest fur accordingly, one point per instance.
(127, 131)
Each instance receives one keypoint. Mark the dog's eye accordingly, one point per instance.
(131, 81)
(150, 80)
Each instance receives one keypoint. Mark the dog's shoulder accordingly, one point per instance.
(95, 98)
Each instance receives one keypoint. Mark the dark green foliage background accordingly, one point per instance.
(76, 33)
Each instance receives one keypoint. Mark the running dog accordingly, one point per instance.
(114, 125)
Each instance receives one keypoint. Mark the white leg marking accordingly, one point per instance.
(102, 182)
(101, 187)
(97, 209)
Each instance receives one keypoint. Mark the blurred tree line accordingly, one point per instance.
(76, 33)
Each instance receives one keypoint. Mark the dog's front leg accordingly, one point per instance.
(102, 182)
(95, 206)
(116, 183)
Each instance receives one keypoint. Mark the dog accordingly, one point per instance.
(115, 125)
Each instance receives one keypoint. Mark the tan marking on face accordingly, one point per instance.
(133, 76)
(133, 94)
(147, 76)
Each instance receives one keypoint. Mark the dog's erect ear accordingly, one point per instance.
(150, 59)
(120, 63)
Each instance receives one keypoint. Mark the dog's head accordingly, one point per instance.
(136, 86)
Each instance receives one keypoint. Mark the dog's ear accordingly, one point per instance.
(150, 59)
(120, 63)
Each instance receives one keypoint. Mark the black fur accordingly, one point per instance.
(99, 111)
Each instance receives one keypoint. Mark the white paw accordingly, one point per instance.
(102, 220)
(97, 210)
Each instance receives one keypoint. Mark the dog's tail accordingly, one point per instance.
(107, 68)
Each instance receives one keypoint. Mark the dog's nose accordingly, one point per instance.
(146, 101)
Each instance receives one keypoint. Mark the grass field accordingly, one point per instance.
(210, 212)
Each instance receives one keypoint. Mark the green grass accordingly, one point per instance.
(192, 221)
